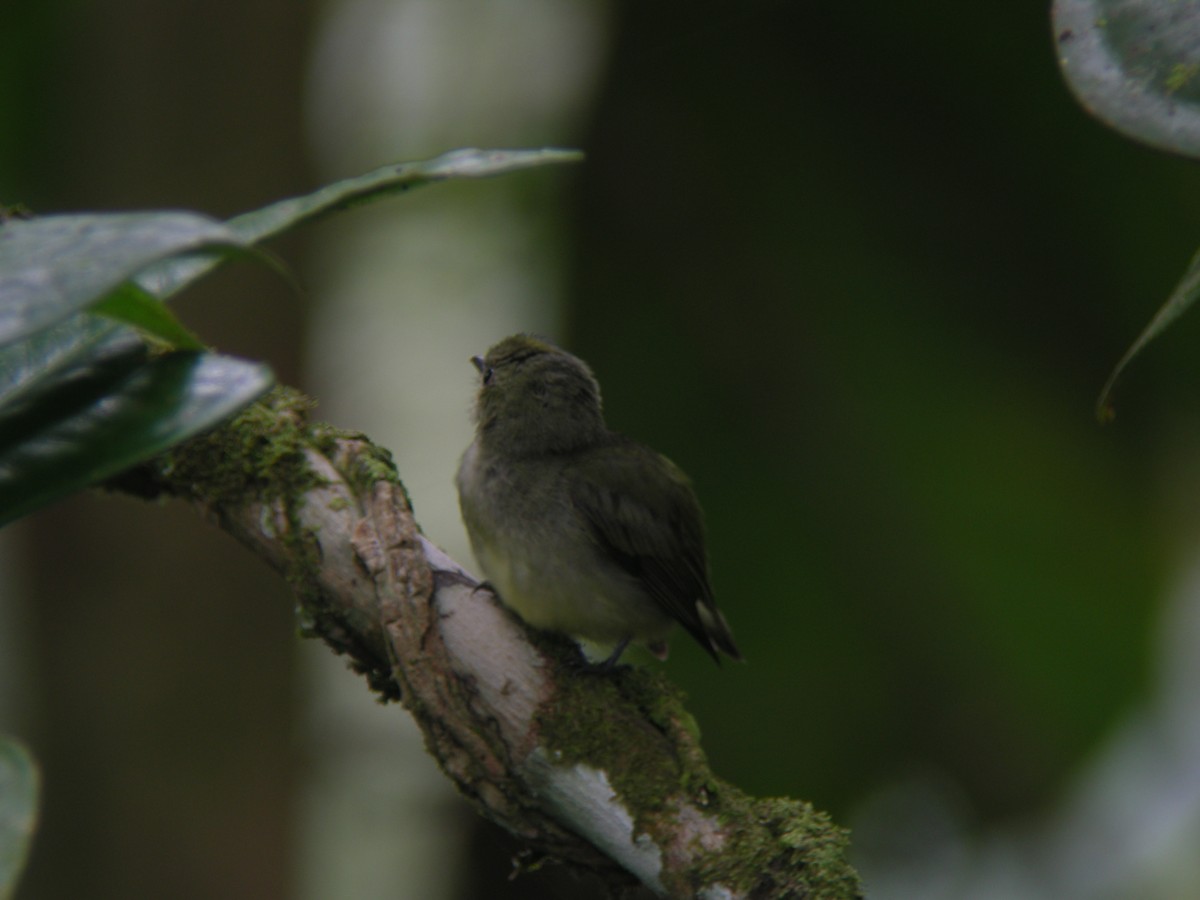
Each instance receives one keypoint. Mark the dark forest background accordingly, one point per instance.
(860, 270)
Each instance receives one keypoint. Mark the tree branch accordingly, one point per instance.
(603, 772)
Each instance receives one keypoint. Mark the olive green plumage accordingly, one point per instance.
(578, 528)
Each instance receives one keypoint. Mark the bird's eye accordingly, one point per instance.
(489, 375)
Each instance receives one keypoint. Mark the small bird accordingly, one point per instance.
(580, 529)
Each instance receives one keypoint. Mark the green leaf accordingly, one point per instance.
(1181, 298)
(1135, 64)
(258, 225)
(91, 423)
(70, 343)
(54, 266)
(19, 788)
(133, 305)
(277, 218)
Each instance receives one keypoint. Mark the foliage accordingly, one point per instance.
(1134, 65)
(96, 374)
(18, 811)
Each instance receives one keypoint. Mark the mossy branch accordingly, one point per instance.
(601, 772)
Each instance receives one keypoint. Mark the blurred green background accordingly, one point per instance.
(860, 270)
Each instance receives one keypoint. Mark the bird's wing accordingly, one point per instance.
(643, 513)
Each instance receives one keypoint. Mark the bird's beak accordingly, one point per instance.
(479, 364)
